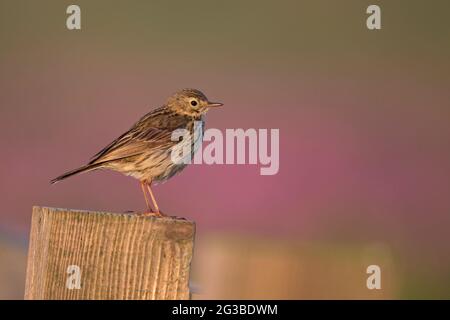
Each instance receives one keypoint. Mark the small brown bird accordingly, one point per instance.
(144, 151)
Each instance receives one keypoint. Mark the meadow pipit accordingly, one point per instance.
(144, 151)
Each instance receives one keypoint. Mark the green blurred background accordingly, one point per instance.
(364, 135)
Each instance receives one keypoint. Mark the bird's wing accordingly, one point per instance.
(128, 136)
(120, 140)
(152, 132)
(134, 142)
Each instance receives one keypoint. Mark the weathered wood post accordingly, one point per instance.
(77, 254)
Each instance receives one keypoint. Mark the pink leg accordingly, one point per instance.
(149, 208)
(158, 212)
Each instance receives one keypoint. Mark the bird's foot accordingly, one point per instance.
(178, 218)
(159, 214)
(152, 214)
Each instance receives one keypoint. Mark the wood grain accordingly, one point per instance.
(120, 256)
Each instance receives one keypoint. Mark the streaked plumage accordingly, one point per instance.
(144, 151)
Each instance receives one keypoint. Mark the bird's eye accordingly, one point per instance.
(194, 103)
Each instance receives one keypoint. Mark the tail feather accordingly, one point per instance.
(86, 168)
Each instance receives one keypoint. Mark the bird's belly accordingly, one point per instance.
(151, 166)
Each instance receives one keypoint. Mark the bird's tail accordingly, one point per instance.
(86, 168)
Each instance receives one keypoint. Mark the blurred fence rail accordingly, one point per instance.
(230, 266)
(94, 255)
(12, 267)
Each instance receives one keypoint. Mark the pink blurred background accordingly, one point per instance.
(363, 118)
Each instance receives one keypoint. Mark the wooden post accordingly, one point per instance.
(77, 254)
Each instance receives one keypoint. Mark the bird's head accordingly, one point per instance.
(191, 102)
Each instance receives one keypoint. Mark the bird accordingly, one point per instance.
(144, 151)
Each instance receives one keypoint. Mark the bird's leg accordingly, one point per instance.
(158, 212)
(149, 208)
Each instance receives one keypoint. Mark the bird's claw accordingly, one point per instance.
(152, 214)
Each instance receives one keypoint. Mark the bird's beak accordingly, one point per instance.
(214, 104)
